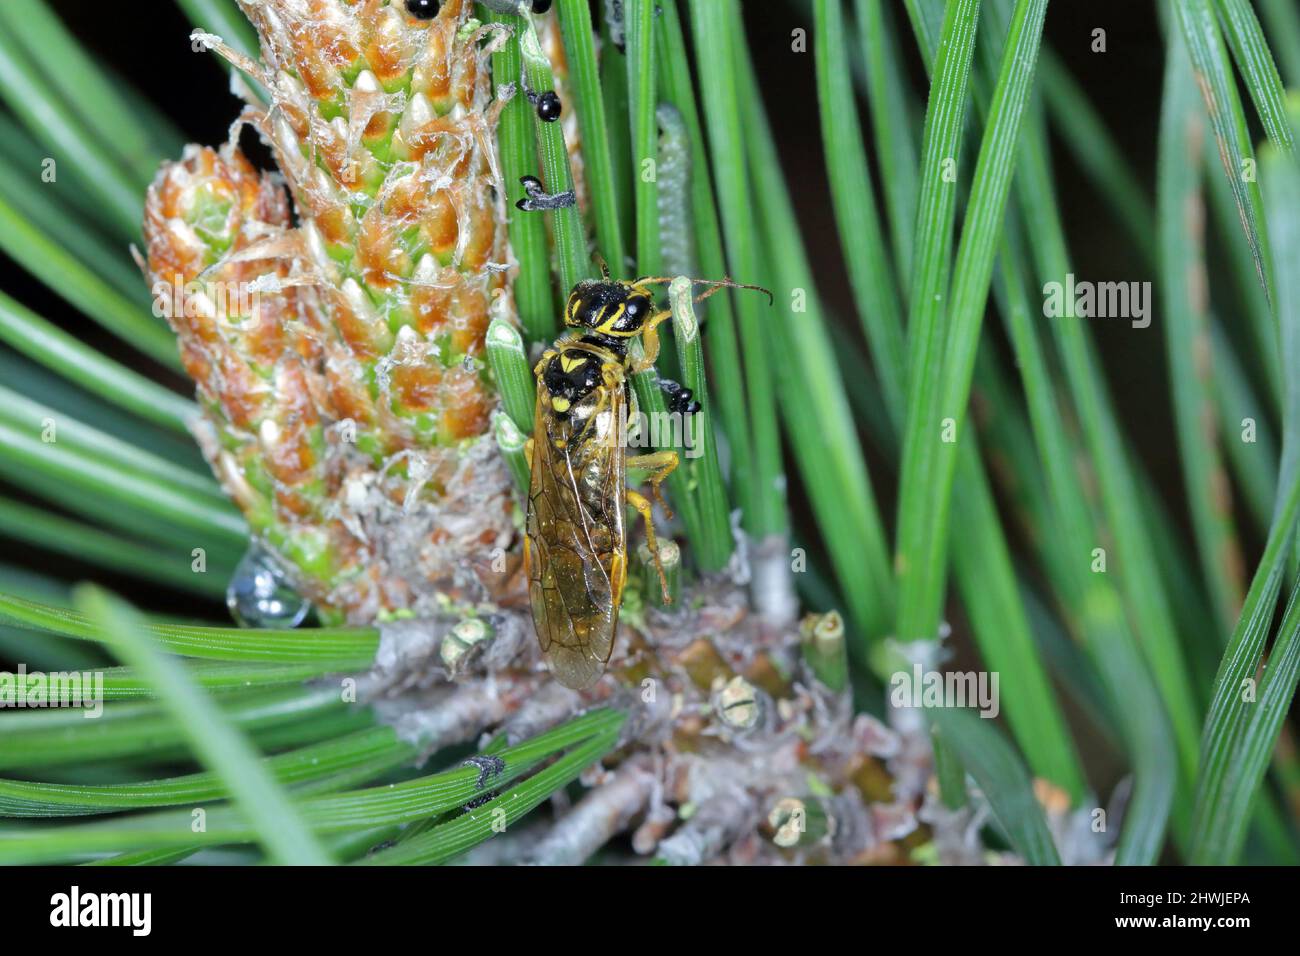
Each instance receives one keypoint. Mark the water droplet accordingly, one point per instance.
(260, 595)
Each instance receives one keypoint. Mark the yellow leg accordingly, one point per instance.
(660, 464)
(650, 342)
(642, 505)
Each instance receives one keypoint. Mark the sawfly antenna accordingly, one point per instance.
(717, 285)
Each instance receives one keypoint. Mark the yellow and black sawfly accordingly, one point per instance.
(575, 551)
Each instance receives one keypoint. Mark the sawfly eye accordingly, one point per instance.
(541, 6)
(423, 9)
(635, 311)
(588, 312)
